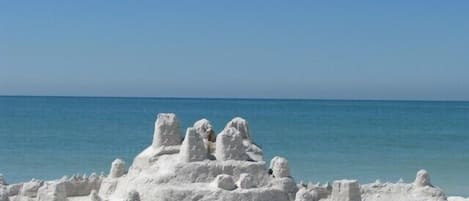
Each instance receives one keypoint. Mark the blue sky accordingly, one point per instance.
(252, 49)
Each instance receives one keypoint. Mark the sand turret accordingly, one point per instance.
(205, 129)
(280, 167)
(229, 145)
(346, 190)
(241, 125)
(117, 168)
(192, 148)
(166, 131)
(422, 179)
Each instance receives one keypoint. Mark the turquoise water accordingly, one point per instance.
(48, 137)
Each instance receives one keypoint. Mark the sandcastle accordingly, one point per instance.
(350, 190)
(203, 166)
(199, 166)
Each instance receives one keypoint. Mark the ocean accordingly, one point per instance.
(48, 137)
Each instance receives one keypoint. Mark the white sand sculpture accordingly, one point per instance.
(204, 167)
(280, 167)
(346, 190)
(241, 125)
(117, 168)
(422, 179)
(420, 190)
(229, 146)
(205, 129)
(166, 131)
(187, 171)
(192, 148)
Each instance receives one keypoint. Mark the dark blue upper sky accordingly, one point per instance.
(257, 49)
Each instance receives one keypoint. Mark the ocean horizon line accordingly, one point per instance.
(239, 98)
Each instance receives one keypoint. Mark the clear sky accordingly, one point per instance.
(251, 49)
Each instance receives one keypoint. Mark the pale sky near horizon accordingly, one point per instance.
(416, 50)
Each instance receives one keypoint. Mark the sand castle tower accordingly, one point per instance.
(192, 148)
(422, 179)
(346, 190)
(166, 131)
(280, 167)
(241, 125)
(205, 129)
(229, 145)
(117, 168)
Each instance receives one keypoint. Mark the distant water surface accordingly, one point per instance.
(48, 137)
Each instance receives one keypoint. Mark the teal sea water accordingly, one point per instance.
(48, 137)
